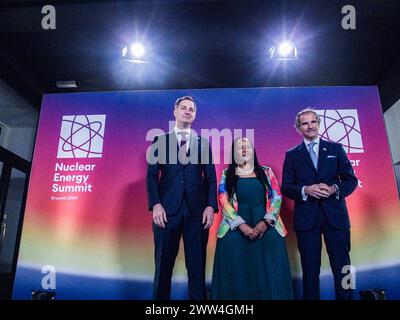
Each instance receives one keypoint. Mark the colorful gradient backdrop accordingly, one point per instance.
(101, 245)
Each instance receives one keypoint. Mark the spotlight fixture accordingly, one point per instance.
(134, 53)
(66, 84)
(137, 50)
(43, 295)
(286, 51)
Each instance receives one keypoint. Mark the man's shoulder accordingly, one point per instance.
(295, 148)
(161, 136)
(331, 144)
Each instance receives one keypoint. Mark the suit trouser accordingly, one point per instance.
(337, 242)
(166, 249)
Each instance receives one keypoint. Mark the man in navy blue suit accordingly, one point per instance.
(182, 194)
(318, 176)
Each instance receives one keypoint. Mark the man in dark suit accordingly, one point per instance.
(318, 176)
(182, 193)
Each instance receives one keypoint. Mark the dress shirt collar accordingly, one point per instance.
(307, 142)
(177, 131)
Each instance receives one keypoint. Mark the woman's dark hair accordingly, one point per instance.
(232, 178)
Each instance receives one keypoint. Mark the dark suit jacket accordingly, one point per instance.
(168, 180)
(333, 168)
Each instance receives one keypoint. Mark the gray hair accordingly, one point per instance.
(297, 123)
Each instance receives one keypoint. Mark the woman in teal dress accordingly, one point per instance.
(251, 261)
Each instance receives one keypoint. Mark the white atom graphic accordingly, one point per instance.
(342, 126)
(81, 136)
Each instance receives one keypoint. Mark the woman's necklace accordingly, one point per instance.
(244, 171)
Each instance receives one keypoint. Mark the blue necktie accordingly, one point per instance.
(312, 153)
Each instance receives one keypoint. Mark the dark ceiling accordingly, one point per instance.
(198, 44)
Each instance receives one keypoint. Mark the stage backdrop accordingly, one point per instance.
(87, 232)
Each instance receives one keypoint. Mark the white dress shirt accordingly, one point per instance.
(179, 136)
(315, 147)
(316, 150)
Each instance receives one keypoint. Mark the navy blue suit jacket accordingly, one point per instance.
(168, 180)
(333, 168)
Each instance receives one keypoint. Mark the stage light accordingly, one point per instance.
(285, 48)
(137, 50)
(43, 295)
(373, 294)
(124, 51)
(66, 84)
(286, 51)
(134, 53)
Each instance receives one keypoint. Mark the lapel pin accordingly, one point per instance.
(324, 149)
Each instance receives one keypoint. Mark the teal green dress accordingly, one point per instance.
(246, 269)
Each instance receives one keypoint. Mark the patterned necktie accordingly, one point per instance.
(183, 139)
(312, 153)
(182, 153)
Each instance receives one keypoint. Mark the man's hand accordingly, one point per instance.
(159, 216)
(330, 189)
(208, 217)
(247, 231)
(316, 191)
(260, 229)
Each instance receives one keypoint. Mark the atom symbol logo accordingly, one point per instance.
(81, 136)
(342, 126)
